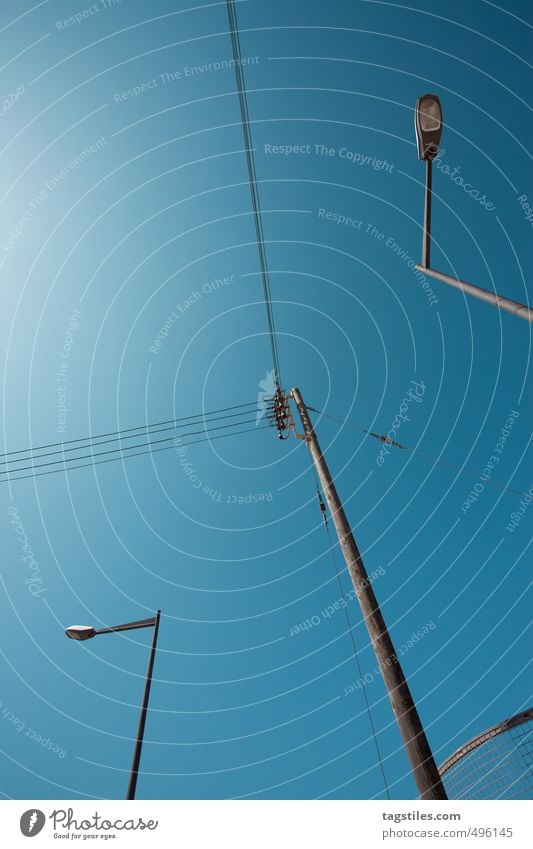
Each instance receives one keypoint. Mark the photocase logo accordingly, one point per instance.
(32, 822)
(267, 389)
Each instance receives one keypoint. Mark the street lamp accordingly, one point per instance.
(428, 126)
(86, 632)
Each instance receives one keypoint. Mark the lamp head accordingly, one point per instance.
(428, 125)
(80, 632)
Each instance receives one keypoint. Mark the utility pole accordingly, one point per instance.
(424, 768)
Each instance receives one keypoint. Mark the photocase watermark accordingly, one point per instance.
(66, 825)
(216, 495)
(366, 160)
(331, 609)
(61, 376)
(340, 219)
(369, 677)
(183, 306)
(182, 74)
(526, 208)
(50, 186)
(20, 726)
(397, 250)
(517, 515)
(415, 393)
(455, 177)
(32, 822)
(64, 820)
(9, 101)
(35, 581)
(369, 229)
(492, 462)
(88, 12)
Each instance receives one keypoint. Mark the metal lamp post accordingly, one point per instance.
(428, 126)
(86, 632)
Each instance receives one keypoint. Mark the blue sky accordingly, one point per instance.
(125, 200)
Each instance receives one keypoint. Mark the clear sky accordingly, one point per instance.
(125, 201)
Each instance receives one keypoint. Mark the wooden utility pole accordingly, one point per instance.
(424, 768)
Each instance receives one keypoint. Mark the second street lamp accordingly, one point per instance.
(86, 632)
(428, 126)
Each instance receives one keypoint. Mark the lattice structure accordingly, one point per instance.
(497, 764)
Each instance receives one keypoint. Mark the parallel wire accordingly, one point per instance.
(131, 429)
(116, 450)
(252, 178)
(462, 470)
(208, 438)
(92, 444)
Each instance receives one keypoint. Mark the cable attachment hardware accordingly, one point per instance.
(322, 506)
(282, 415)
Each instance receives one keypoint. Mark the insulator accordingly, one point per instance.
(280, 413)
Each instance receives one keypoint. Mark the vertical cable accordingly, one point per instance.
(252, 178)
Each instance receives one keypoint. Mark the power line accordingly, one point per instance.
(138, 454)
(92, 444)
(131, 429)
(462, 470)
(252, 178)
(116, 450)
